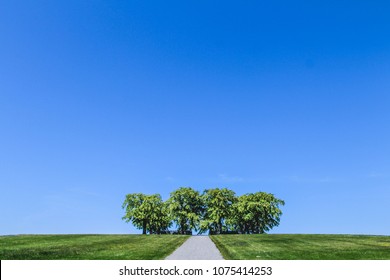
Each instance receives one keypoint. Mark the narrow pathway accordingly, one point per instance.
(196, 248)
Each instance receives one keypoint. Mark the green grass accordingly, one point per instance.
(303, 247)
(88, 247)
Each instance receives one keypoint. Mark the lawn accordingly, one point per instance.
(303, 247)
(88, 247)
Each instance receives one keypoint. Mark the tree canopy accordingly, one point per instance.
(146, 212)
(256, 213)
(185, 208)
(217, 211)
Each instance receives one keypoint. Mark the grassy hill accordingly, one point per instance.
(155, 247)
(303, 247)
(88, 247)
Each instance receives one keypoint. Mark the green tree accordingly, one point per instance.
(160, 220)
(256, 213)
(185, 207)
(218, 209)
(146, 212)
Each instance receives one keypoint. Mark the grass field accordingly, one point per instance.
(88, 247)
(303, 247)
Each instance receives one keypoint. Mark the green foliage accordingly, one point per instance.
(146, 212)
(218, 209)
(256, 213)
(185, 208)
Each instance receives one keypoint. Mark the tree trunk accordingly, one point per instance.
(144, 227)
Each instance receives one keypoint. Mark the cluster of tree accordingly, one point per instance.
(215, 210)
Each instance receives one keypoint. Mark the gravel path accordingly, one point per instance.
(196, 248)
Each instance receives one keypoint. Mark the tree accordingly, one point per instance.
(256, 213)
(218, 209)
(160, 220)
(185, 208)
(146, 212)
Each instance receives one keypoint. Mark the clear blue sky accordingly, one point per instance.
(103, 98)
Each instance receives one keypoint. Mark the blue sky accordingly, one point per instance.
(103, 98)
